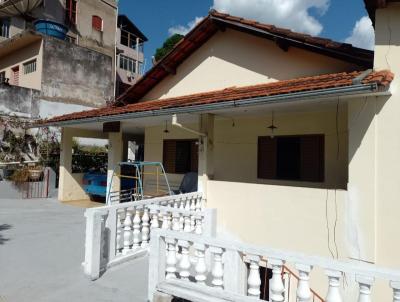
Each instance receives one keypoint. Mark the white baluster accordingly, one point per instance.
(187, 205)
(276, 283)
(193, 205)
(166, 221)
(154, 219)
(145, 228)
(120, 232)
(365, 284)
(200, 267)
(303, 287)
(175, 222)
(333, 294)
(192, 223)
(217, 271)
(181, 222)
(160, 217)
(182, 204)
(198, 204)
(199, 225)
(184, 263)
(254, 280)
(136, 229)
(176, 203)
(396, 290)
(171, 260)
(187, 223)
(127, 231)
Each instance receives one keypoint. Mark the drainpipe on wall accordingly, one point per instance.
(115, 51)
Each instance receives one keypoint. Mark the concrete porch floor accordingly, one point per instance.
(41, 251)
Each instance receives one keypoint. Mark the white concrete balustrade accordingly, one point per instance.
(204, 268)
(121, 232)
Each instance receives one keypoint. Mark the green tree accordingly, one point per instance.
(167, 46)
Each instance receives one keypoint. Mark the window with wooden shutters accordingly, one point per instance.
(97, 23)
(180, 156)
(298, 157)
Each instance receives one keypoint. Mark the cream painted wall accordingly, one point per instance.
(232, 58)
(18, 58)
(235, 148)
(387, 56)
(271, 204)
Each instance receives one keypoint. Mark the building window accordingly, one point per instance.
(30, 67)
(129, 39)
(180, 156)
(2, 77)
(15, 75)
(97, 23)
(70, 39)
(5, 28)
(127, 63)
(298, 157)
(70, 11)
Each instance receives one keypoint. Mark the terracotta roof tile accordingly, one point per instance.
(216, 21)
(382, 79)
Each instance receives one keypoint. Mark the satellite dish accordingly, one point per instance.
(10, 8)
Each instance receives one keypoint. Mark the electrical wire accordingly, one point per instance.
(337, 130)
(334, 228)
(327, 223)
(390, 41)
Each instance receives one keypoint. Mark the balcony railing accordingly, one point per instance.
(121, 232)
(201, 268)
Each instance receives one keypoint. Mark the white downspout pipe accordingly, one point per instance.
(177, 124)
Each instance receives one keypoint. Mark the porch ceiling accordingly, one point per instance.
(138, 125)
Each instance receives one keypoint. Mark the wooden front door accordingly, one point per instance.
(15, 75)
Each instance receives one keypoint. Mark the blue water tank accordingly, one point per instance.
(51, 28)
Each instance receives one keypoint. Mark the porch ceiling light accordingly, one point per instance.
(272, 127)
(166, 131)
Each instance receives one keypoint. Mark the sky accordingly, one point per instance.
(340, 20)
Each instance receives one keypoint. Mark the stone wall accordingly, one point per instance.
(76, 75)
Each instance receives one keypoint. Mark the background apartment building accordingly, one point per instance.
(91, 24)
(80, 55)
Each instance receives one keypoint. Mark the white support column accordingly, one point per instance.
(65, 163)
(235, 273)
(93, 243)
(157, 263)
(206, 150)
(115, 145)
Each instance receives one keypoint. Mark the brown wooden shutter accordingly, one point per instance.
(266, 158)
(169, 155)
(312, 158)
(194, 156)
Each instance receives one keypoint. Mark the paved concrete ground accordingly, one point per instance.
(41, 251)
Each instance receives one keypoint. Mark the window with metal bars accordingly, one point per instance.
(70, 11)
(2, 77)
(297, 157)
(180, 156)
(127, 63)
(30, 67)
(5, 28)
